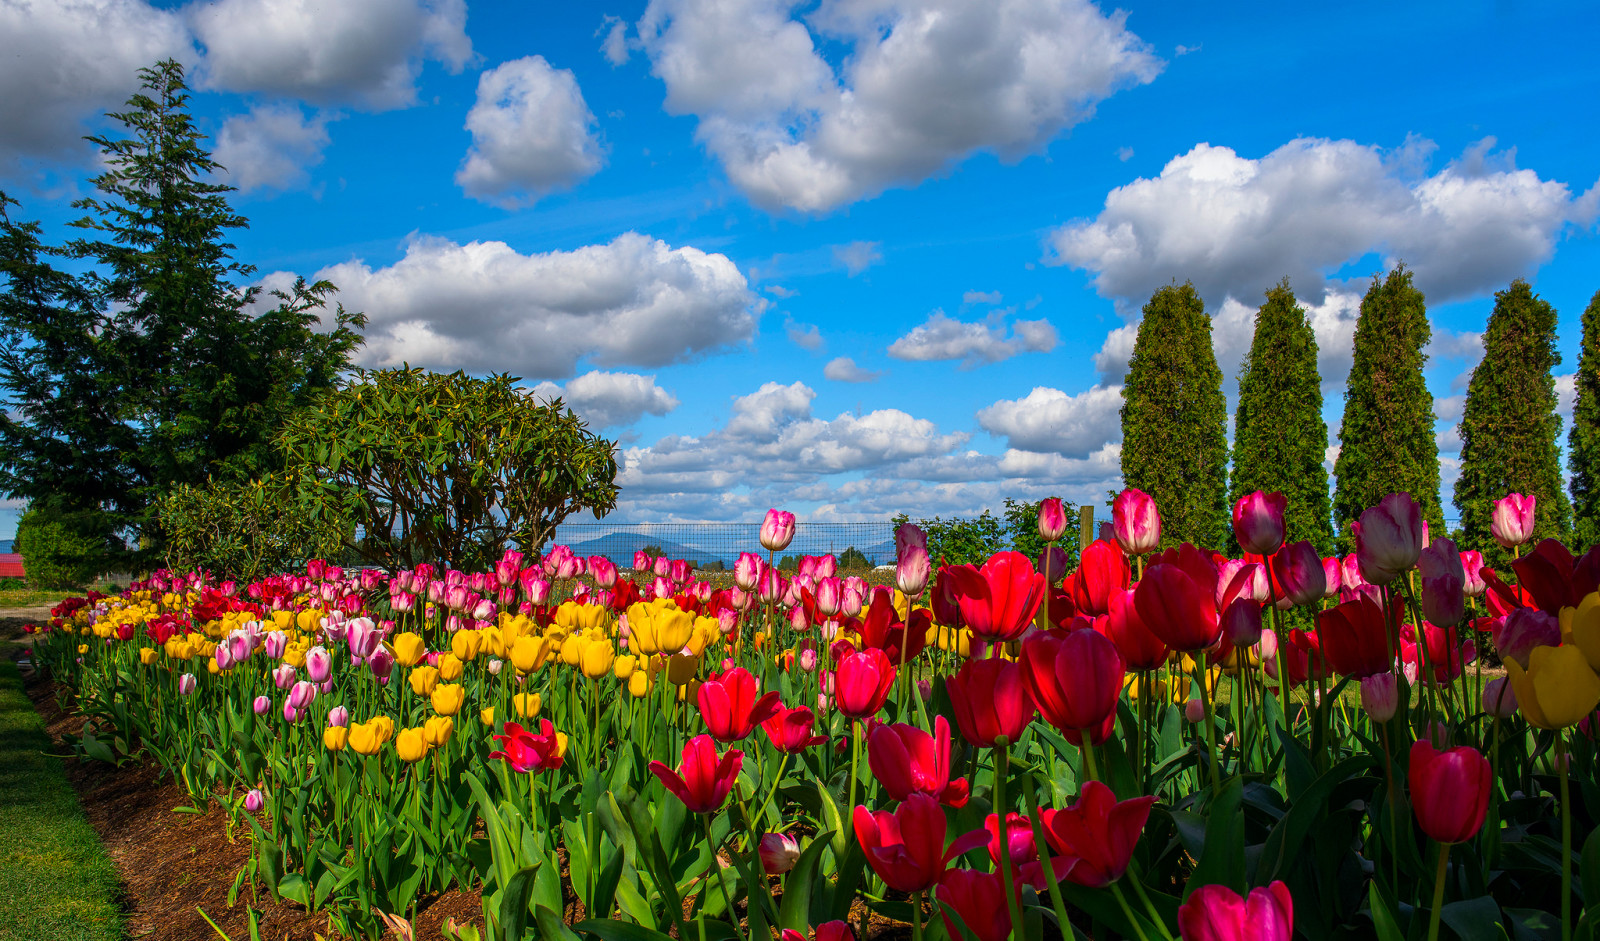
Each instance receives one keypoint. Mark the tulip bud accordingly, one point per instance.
(1301, 573)
(290, 713)
(338, 717)
(319, 664)
(495, 666)
(253, 801)
(1136, 521)
(808, 659)
(1513, 519)
(911, 571)
(779, 853)
(1472, 571)
(187, 684)
(1380, 696)
(851, 601)
(1388, 538)
(302, 694)
(381, 663)
(1258, 522)
(1052, 519)
(274, 644)
(777, 530)
(262, 705)
(1194, 710)
(1500, 698)
(1269, 646)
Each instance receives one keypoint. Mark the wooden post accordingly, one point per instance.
(1085, 526)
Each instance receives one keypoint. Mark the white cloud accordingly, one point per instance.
(484, 306)
(1049, 421)
(531, 134)
(944, 338)
(271, 147)
(610, 399)
(844, 369)
(615, 46)
(924, 85)
(67, 62)
(1566, 395)
(1235, 225)
(805, 335)
(989, 298)
(362, 52)
(1124, 154)
(857, 257)
(1449, 408)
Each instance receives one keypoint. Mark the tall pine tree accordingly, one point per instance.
(1386, 442)
(1510, 426)
(1174, 419)
(1583, 445)
(1279, 437)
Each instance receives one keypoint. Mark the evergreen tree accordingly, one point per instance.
(1279, 438)
(1583, 445)
(154, 369)
(1510, 426)
(1386, 442)
(1174, 419)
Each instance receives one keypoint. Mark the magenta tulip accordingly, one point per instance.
(1052, 519)
(1136, 522)
(1513, 519)
(1449, 791)
(1258, 522)
(1217, 913)
(777, 530)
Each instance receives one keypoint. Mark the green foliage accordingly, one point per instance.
(853, 559)
(1022, 528)
(961, 541)
(1583, 444)
(1510, 426)
(1386, 442)
(66, 549)
(243, 531)
(445, 468)
(1279, 438)
(155, 368)
(1174, 419)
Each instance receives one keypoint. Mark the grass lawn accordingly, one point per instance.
(29, 597)
(56, 881)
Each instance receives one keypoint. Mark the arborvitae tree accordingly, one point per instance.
(1279, 438)
(1174, 419)
(1583, 445)
(1510, 426)
(1386, 442)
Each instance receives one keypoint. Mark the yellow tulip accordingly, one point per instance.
(309, 619)
(527, 704)
(572, 650)
(465, 644)
(639, 683)
(412, 745)
(283, 620)
(364, 738)
(295, 655)
(658, 626)
(486, 715)
(624, 666)
(83, 648)
(409, 649)
(438, 730)
(450, 667)
(530, 653)
(423, 680)
(212, 668)
(1580, 627)
(492, 642)
(681, 669)
(384, 726)
(589, 618)
(147, 656)
(447, 698)
(335, 737)
(514, 627)
(1557, 689)
(597, 658)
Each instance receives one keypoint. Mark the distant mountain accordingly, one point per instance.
(619, 547)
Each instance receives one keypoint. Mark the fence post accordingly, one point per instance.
(1085, 526)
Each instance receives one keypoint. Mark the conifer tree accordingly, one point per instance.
(1510, 426)
(1583, 445)
(1386, 442)
(1174, 419)
(1279, 437)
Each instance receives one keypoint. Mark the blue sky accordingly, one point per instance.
(856, 256)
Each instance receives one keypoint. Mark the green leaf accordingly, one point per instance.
(1221, 861)
(795, 911)
(1382, 919)
(1474, 919)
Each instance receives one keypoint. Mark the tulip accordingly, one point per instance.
(731, 707)
(1300, 573)
(991, 702)
(1217, 913)
(604, 572)
(1389, 538)
(262, 705)
(1500, 698)
(1443, 582)
(381, 663)
(526, 752)
(1140, 649)
(659, 626)
(338, 716)
(883, 628)
(448, 698)
(1557, 688)
(1357, 639)
(747, 571)
(1075, 680)
(1447, 654)
(906, 760)
(1333, 576)
(253, 801)
(702, 781)
(1096, 834)
(911, 571)
(863, 682)
(1258, 522)
(274, 643)
(1241, 623)
(365, 738)
(1518, 633)
(979, 900)
(1176, 600)
(596, 658)
(1052, 519)
(777, 530)
(302, 695)
(906, 848)
(1513, 520)
(438, 730)
(790, 730)
(335, 738)
(411, 745)
(1449, 790)
(527, 705)
(1194, 710)
(1021, 850)
(187, 684)
(998, 601)
(1136, 522)
(1380, 696)
(1102, 572)
(779, 852)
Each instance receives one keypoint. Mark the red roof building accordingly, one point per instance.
(11, 566)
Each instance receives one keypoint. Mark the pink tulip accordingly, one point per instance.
(911, 572)
(1300, 573)
(319, 664)
(253, 801)
(1443, 579)
(1258, 522)
(283, 676)
(274, 644)
(1052, 519)
(777, 530)
(302, 694)
(1472, 570)
(1136, 521)
(779, 852)
(1513, 519)
(1380, 696)
(262, 705)
(1217, 913)
(1389, 538)
(338, 717)
(828, 596)
(1333, 577)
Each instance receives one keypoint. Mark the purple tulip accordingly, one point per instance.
(1389, 538)
(1443, 579)
(381, 662)
(1300, 573)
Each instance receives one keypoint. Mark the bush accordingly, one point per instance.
(243, 531)
(66, 549)
(961, 541)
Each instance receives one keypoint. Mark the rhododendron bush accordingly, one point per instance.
(1163, 742)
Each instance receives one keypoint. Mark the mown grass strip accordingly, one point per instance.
(56, 880)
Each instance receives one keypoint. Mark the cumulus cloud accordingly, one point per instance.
(988, 298)
(857, 256)
(610, 399)
(271, 147)
(360, 52)
(924, 85)
(1235, 225)
(844, 369)
(1049, 421)
(944, 338)
(67, 62)
(483, 306)
(532, 134)
(615, 45)
(804, 335)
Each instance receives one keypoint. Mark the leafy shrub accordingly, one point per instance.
(243, 531)
(66, 549)
(961, 541)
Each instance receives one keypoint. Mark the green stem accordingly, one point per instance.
(1032, 803)
(916, 915)
(1123, 901)
(1087, 751)
(1002, 768)
(1438, 892)
(1566, 837)
(1211, 734)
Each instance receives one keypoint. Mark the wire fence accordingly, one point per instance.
(709, 545)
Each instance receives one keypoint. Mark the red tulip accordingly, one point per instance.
(702, 781)
(1449, 790)
(1136, 522)
(835, 931)
(862, 682)
(991, 701)
(1513, 519)
(1357, 639)
(1333, 574)
(790, 729)
(881, 627)
(1298, 574)
(1102, 571)
(979, 900)
(1052, 519)
(906, 760)
(1302, 658)
(1448, 655)
(525, 751)
(999, 600)
(1096, 834)
(1258, 522)
(1554, 579)
(1388, 538)
(945, 599)
(729, 704)
(1177, 601)
(1140, 649)
(1022, 850)
(906, 848)
(1075, 678)
(1217, 913)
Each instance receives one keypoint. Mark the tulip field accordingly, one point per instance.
(1164, 743)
